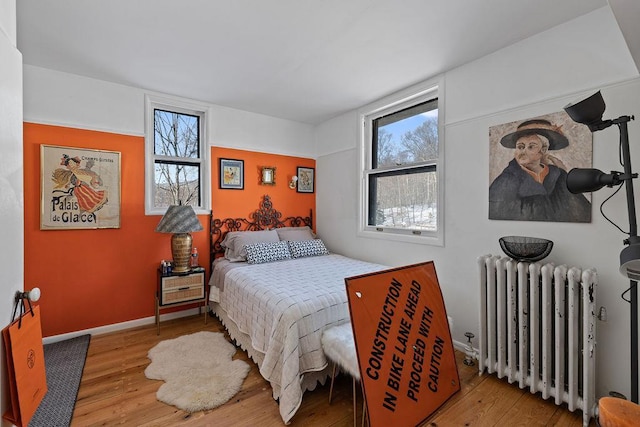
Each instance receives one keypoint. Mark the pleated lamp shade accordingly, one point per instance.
(180, 220)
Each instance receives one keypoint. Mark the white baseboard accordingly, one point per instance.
(120, 326)
(458, 345)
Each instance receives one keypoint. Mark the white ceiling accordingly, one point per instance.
(303, 60)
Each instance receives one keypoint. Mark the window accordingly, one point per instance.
(401, 187)
(175, 156)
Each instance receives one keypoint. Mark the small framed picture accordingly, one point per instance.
(268, 176)
(232, 174)
(306, 180)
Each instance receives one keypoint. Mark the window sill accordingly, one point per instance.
(430, 240)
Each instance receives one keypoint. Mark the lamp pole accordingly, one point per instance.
(633, 239)
(589, 112)
(628, 175)
(634, 339)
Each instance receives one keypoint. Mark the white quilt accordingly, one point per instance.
(284, 307)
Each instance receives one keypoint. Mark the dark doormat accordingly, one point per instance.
(64, 363)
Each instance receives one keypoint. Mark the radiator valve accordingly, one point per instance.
(602, 314)
(468, 350)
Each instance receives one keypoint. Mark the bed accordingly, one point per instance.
(276, 306)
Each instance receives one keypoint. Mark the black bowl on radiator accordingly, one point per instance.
(527, 249)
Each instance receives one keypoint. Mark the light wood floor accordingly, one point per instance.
(114, 391)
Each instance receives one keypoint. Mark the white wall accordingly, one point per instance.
(53, 97)
(11, 189)
(536, 76)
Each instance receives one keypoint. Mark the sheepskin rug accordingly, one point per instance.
(197, 370)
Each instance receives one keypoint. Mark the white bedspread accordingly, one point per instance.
(284, 306)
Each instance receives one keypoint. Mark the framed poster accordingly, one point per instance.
(80, 188)
(232, 174)
(306, 180)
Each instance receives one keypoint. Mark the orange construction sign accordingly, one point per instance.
(405, 353)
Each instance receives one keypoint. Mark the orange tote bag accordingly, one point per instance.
(25, 366)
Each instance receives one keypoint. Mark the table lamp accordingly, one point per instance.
(180, 220)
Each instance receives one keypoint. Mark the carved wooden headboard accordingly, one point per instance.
(264, 218)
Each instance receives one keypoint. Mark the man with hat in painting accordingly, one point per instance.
(533, 187)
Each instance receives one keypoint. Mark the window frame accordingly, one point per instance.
(180, 106)
(406, 98)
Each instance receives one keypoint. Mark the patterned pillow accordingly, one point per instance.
(258, 253)
(305, 248)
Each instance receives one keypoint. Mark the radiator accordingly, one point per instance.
(537, 328)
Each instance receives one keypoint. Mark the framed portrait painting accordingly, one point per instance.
(529, 163)
(306, 180)
(232, 174)
(80, 188)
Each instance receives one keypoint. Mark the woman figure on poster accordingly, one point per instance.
(533, 187)
(83, 184)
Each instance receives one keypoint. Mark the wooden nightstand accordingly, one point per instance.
(179, 289)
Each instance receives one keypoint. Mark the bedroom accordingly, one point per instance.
(537, 75)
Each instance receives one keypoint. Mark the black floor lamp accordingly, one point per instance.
(589, 112)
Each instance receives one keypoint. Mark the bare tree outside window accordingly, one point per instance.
(177, 164)
(403, 190)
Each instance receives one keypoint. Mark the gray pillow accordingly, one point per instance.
(295, 233)
(235, 242)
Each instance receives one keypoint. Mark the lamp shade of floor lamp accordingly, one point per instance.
(180, 220)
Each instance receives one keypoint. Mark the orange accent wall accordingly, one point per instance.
(93, 278)
(239, 203)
